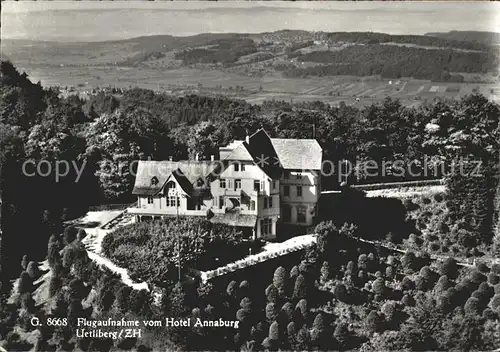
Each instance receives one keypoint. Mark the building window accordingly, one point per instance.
(173, 201)
(154, 180)
(266, 226)
(286, 191)
(236, 167)
(299, 176)
(221, 202)
(252, 205)
(299, 191)
(301, 214)
(170, 186)
(262, 186)
(274, 184)
(198, 203)
(229, 184)
(256, 185)
(150, 200)
(222, 183)
(237, 184)
(242, 167)
(268, 202)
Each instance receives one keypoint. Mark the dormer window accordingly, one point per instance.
(171, 185)
(154, 181)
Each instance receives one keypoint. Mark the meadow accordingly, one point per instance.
(255, 89)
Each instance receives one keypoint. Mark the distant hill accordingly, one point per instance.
(488, 38)
(435, 56)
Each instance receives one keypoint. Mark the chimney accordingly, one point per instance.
(170, 158)
(247, 138)
(212, 157)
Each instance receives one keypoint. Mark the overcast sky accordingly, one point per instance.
(97, 21)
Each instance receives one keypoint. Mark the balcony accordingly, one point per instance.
(232, 192)
(166, 211)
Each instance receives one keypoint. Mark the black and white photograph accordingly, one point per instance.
(250, 176)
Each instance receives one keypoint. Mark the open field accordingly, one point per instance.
(250, 67)
(255, 89)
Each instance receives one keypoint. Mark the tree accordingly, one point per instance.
(300, 288)
(244, 287)
(374, 322)
(303, 340)
(274, 335)
(472, 306)
(27, 302)
(443, 284)
(70, 234)
(303, 308)
(106, 300)
(246, 304)
(325, 272)
(122, 298)
(408, 261)
(75, 311)
(279, 280)
(272, 294)
(341, 335)
(231, 289)
(25, 284)
(286, 313)
(379, 287)
(53, 256)
(291, 332)
(449, 268)
(55, 285)
(33, 270)
(294, 272)
(319, 328)
(178, 301)
(24, 262)
(495, 302)
(77, 290)
(271, 312)
(362, 261)
(341, 292)
(81, 234)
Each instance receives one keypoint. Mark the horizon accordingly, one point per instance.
(112, 21)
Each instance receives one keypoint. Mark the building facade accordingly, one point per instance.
(256, 184)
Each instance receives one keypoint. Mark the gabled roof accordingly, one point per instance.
(292, 154)
(185, 172)
(240, 153)
(263, 153)
(183, 182)
(299, 154)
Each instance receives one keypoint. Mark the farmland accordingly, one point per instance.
(257, 89)
(263, 66)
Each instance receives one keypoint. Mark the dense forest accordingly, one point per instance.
(429, 39)
(394, 62)
(223, 51)
(488, 38)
